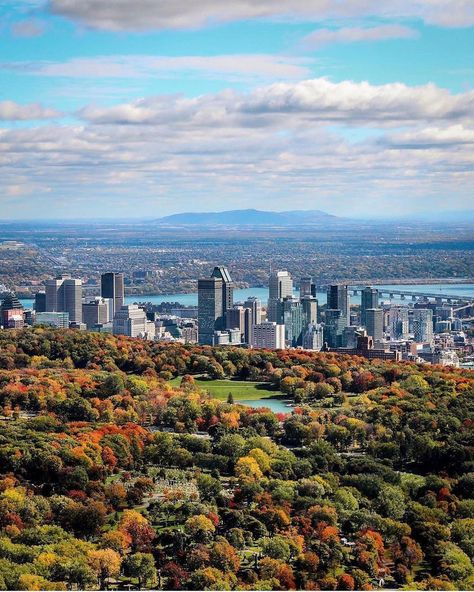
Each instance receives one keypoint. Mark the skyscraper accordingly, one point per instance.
(334, 327)
(398, 322)
(369, 298)
(280, 287)
(338, 299)
(210, 309)
(253, 316)
(305, 286)
(423, 325)
(294, 319)
(40, 302)
(64, 294)
(95, 312)
(227, 287)
(374, 323)
(310, 308)
(235, 318)
(112, 287)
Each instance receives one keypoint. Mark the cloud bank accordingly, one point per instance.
(318, 141)
(117, 15)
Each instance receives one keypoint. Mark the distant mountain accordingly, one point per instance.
(248, 218)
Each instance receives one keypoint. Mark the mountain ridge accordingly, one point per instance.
(249, 217)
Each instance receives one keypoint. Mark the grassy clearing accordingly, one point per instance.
(241, 390)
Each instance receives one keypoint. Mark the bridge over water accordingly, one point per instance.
(391, 293)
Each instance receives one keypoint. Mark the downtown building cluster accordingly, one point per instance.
(426, 330)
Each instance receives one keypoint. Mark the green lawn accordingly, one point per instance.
(241, 390)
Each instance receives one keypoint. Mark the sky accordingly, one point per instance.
(144, 108)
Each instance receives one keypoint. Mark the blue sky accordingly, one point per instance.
(120, 108)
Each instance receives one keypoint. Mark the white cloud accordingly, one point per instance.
(309, 100)
(357, 34)
(228, 67)
(276, 143)
(184, 14)
(11, 111)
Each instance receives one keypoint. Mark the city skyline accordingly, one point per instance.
(363, 109)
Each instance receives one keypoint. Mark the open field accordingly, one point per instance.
(241, 390)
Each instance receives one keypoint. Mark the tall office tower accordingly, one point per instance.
(210, 309)
(310, 308)
(423, 325)
(223, 274)
(252, 316)
(374, 323)
(369, 298)
(12, 312)
(73, 299)
(280, 287)
(305, 286)
(268, 335)
(398, 322)
(294, 319)
(40, 302)
(235, 319)
(64, 294)
(112, 287)
(313, 337)
(334, 325)
(96, 312)
(338, 298)
(131, 320)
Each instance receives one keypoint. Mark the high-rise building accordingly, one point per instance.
(305, 286)
(334, 325)
(132, 321)
(399, 324)
(112, 287)
(423, 325)
(64, 294)
(12, 312)
(268, 335)
(310, 308)
(374, 323)
(96, 312)
(210, 309)
(40, 302)
(235, 318)
(227, 287)
(313, 337)
(280, 287)
(369, 298)
(338, 299)
(253, 316)
(294, 320)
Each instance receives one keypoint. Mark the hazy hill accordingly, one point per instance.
(249, 218)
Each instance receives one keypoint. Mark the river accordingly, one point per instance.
(466, 290)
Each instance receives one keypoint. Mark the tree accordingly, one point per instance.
(199, 527)
(106, 564)
(248, 470)
(276, 548)
(138, 529)
(224, 556)
(142, 567)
